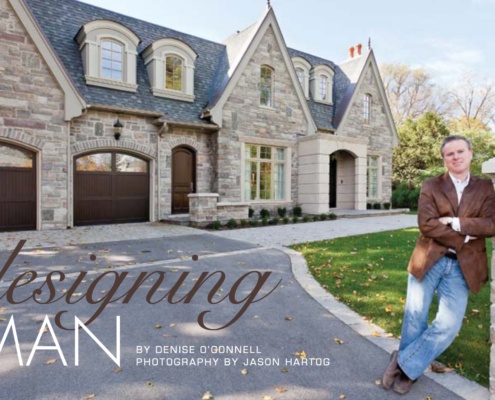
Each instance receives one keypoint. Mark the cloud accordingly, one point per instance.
(448, 60)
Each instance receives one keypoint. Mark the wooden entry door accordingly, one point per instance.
(333, 182)
(183, 178)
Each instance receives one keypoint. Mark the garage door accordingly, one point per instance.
(17, 188)
(110, 187)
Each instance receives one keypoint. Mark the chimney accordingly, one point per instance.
(358, 48)
(351, 52)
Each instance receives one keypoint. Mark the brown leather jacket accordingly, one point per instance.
(476, 212)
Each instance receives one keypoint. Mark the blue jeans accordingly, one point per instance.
(420, 344)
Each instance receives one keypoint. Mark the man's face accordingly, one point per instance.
(457, 157)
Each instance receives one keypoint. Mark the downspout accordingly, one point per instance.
(70, 201)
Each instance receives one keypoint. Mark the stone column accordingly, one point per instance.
(202, 208)
(489, 168)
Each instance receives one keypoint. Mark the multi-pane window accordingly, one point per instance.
(13, 157)
(112, 58)
(264, 177)
(372, 177)
(323, 88)
(266, 86)
(300, 76)
(367, 108)
(173, 73)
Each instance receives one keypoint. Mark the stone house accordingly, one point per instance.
(105, 118)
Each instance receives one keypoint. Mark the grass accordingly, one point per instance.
(368, 273)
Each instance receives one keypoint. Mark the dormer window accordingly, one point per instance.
(322, 84)
(302, 68)
(108, 50)
(173, 73)
(112, 58)
(170, 65)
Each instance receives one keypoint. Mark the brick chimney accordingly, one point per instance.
(358, 48)
(351, 52)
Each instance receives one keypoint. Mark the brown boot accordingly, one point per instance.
(392, 371)
(402, 383)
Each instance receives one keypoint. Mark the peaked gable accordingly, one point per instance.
(243, 52)
(355, 71)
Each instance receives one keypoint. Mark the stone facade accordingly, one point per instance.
(32, 116)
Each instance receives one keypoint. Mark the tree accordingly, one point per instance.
(462, 124)
(419, 148)
(473, 101)
(411, 92)
(483, 148)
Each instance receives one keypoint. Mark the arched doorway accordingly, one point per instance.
(111, 187)
(342, 180)
(183, 178)
(17, 188)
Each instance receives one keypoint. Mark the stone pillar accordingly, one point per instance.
(202, 208)
(489, 168)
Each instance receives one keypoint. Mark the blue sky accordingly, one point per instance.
(445, 37)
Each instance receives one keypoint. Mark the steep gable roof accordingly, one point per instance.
(239, 51)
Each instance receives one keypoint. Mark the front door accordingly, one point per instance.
(183, 178)
(333, 182)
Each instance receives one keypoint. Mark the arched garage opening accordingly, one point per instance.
(111, 187)
(17, 188)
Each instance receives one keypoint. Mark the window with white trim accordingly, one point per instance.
(372, 177)
(266, 86)
(322, 84)
(264, 172)
(108, 50)
(367, 102)
(302, 68)
(170, 65)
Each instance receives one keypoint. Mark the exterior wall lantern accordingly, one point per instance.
(117, 129)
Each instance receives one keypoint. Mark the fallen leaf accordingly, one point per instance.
(158, 326)
(388, 335)
(149, 384)
(89, 396)
(51, 361)
(244, 371)
(388, 309)
(117, 370)
(267, 398)
(288, 318)
(3, 319)
(207, 396)
(284, 370)
(378, 382)
(338, 341)
(342, 396)
(375, 334)
(475, 312)
(172, 325)
(280, 389)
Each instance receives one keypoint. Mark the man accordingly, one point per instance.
(456, 212)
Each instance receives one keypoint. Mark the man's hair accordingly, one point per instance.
(451, 138)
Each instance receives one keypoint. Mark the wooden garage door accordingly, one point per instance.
(17, 188)
(110, 187)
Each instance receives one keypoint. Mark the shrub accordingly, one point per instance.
(316, 217)
(377, 206)
(244, 223)
(232, 223)
(251, 212)
(264, 213)
(369, 206)
(286, 220)
(386, 206)
(216, 225)
(297, 211)
(254, 222)
(323, 217)
(405, 196)
(264, 221)
(281, 212)
(273, 221)
(332, 216)
(306, 218)
(295, 218)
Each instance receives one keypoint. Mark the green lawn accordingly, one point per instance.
(368, 273)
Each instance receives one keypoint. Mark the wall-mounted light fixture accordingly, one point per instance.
(117, 129)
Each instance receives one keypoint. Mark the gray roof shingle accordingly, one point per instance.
(61, 21)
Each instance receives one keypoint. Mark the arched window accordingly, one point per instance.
(173, 73)
(266, 86)
(112, 58)
(322, 84)
(323, 87)
(108, 50)
(302, 68)
(170, 65)
(367, 102)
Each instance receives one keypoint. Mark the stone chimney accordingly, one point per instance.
(351, 52)
(358, 48)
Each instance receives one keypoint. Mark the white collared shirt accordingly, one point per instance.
(459, 187)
